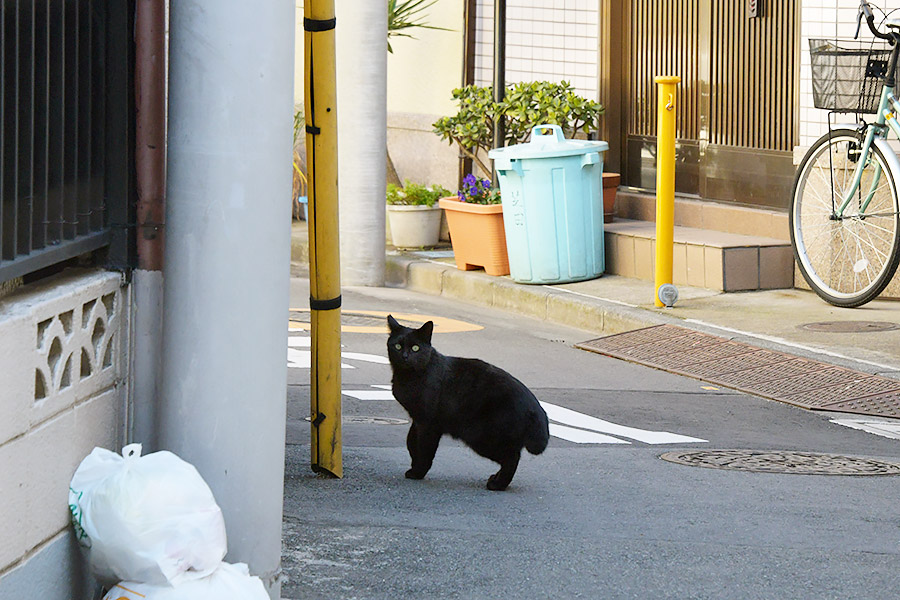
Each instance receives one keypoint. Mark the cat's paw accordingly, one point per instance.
(413, 474)
(495, 485)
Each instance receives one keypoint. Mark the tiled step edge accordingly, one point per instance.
(703, 258)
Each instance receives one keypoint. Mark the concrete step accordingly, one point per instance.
(717, 260)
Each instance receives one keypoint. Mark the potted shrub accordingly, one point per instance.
(414, 219)
(475, 219)
(525, 105)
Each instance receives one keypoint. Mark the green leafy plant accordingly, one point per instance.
(415, 194)
(478, 191)
(525, 105)
(407, 14)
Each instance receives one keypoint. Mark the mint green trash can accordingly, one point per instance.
(552, 195)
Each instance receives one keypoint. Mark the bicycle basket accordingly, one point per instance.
(846, 74)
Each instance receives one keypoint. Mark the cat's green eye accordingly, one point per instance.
(415, 348)
(398, 346)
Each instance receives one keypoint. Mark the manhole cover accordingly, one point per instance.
(799, 463)
(850, 326)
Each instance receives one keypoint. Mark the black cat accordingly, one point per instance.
(480, 404)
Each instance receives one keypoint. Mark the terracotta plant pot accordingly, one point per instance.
(610, 185)
(477, 235)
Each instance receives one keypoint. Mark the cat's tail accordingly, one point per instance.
(538, 432)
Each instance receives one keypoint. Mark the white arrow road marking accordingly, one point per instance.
(369, 394)
(886, 429)
(582, 421)
(569, 425)
(302, 359)
(580, 436)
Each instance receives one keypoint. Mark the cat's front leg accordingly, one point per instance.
(422, 443)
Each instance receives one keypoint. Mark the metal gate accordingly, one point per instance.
(66, 98)
(738, 119)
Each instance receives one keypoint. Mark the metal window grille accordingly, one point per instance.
(64, 143)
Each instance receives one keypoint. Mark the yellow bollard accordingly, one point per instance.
(320, 98)
(665, 183)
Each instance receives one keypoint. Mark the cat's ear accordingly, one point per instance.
(393, 324)
(425, 331)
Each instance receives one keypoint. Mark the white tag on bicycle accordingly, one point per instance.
(860, 266)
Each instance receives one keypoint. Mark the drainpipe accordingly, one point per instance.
(470, 15)
(150, 155)
(499, 73)
(150, 171)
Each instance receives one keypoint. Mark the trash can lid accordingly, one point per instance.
(548, 146)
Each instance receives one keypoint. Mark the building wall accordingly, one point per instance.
(63, 359)
(546, 40)
(821, 19)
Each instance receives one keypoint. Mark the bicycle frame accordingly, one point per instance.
(885, 116)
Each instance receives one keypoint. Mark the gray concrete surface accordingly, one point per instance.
(581, 520)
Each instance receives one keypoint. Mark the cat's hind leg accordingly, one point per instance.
(422, 443)
(499, 481)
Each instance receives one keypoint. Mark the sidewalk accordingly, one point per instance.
(794, 322)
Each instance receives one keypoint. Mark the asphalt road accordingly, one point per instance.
(582, 520)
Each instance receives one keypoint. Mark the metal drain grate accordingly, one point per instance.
(774, 375)
(797, 463)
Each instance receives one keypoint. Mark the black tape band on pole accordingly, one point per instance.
(318, 24)
(331, 304)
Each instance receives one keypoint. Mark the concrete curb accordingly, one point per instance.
(537, 301)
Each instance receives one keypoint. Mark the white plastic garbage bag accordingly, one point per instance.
(145, 518)
(228, 582)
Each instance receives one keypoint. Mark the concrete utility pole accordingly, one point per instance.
(228, 212)
(361, 44)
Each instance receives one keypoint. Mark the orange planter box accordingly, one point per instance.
(477, 235)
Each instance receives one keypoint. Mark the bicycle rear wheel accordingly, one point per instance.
(846, 260)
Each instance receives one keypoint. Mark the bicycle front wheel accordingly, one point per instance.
(848, 259)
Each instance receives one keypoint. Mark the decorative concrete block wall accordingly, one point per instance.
(62, 368)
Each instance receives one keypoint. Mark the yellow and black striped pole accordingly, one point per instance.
(320, 99)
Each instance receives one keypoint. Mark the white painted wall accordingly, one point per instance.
(68, 334)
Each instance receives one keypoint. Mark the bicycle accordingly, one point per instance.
(844, 217)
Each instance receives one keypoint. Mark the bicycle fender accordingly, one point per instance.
(890, 156)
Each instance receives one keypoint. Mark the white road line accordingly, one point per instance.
(577, 419)
(369, 394)
(580, 436)
(296, 341)
(372, 358)
(568, 424)
(882, 428)
(302, 359)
